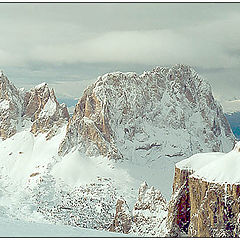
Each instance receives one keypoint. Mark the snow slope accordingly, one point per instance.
(197, 161)
(75, 169)
(16, 228)
(36, 182)
(225, 169)
(23, 154)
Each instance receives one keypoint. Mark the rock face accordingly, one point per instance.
(37, 108)
(148, 216)
(215, 209)
(179, 206)
(44, 111)
(10, 107)
(89, 128)
(123, 219)
(205, 200)
(164, 112)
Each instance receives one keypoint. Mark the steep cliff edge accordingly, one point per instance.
(166, 112)
(205, 200)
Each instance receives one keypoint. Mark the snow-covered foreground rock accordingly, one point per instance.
(205, 200)
(17, 228)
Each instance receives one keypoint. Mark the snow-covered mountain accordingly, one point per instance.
(231, 109)
(166, 112)
(231, 105)
(44, 111)
(126, 129)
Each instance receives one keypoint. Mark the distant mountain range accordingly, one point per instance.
(234, 121)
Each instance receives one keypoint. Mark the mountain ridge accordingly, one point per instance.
(119, 108)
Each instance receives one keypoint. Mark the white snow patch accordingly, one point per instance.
(224, 169)
(4, 105)
(71, 109)
(23, 154)
(87, 120)
(40, 85)
(49, 109)
(198, 160)
(215, 167)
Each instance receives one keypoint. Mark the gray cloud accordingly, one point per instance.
(66, 44)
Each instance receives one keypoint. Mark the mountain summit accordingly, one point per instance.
(166, 112)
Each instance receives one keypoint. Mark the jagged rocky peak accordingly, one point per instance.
(10, 107)
(43, 109)
(38, 106)
(205, 200)
(149, 213)
(169, 110)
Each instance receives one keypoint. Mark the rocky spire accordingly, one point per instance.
(123, 219)
(42, 107)
(148, 216)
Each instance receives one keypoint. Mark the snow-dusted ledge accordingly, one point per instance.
(214, 167)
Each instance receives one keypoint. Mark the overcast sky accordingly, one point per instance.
(69, 45)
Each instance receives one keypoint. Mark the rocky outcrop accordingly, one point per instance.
(37, 108)
(89, 128)
(44, 111)
(147, 218)
(205, 200)
(123, 219)
(122, 115)
(149, 213)
(10, 108)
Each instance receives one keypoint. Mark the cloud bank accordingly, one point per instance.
(77, 42)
